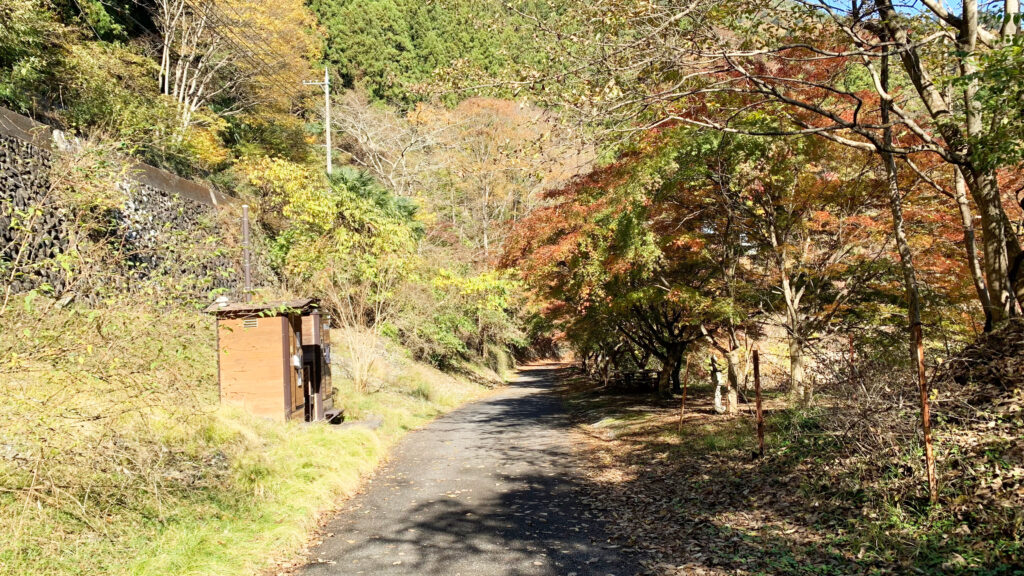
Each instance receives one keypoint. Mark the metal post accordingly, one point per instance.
(327, 123)
(246, 253)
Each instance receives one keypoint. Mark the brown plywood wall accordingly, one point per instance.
(309, 329)
(252, 364)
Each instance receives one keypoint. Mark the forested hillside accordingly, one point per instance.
(808, 211)
(778, 243)
(419, 194)
(403, 52)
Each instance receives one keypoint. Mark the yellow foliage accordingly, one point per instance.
(286, 32)
(206, 146)
(292, 190)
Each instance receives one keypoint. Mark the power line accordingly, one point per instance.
(275, 29)
(248, 53)
(88, 22)
(245, 50)
(241, 39)
(242, 48)
(236, 40)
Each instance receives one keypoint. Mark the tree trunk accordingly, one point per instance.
(733, 358)
(717, 380)
(909, 280)
(896, 207)
(796, 366)
(795, 328)
(668, 368)
(645, 359)
(973, 262)
(903, 246)
(664, 381)
(745, 370)
(997, 240)
(999, 243)
(677, 384)
(1015, 257)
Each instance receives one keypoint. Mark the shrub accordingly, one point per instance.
(31, 47)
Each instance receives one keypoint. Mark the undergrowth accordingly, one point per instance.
(837, 494)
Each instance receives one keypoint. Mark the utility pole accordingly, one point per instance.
(327, 114)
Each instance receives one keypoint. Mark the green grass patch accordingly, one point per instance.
(712, 437)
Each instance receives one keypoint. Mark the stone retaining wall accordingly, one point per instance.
(24, 184)
(165, 224)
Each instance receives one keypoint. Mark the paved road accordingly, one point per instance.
(486, 490)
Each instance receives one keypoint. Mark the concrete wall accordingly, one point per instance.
(161, 212)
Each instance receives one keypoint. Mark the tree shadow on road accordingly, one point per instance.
(536, 520)
(643, 501)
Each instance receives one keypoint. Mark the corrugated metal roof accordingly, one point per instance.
(253, 307)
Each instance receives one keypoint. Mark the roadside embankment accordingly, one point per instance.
(115, 457)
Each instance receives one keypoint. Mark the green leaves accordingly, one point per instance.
(404, 51)
(30, 48)
(1001, 82)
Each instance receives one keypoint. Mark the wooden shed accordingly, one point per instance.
(262, 363)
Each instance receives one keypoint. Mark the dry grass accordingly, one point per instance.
(115, 458)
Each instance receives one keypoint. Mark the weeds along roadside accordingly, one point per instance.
(115, 458)
(114, 455)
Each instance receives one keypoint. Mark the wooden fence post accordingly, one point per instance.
(760, 412)
(922, 383)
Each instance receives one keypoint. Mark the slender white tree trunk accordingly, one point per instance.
(734, 369)
(970, 243)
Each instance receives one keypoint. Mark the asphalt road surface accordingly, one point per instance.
(487, 490)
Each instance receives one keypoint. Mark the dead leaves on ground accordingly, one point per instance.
(714, 512)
